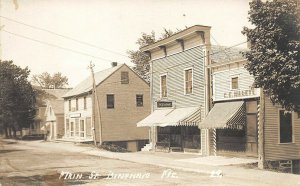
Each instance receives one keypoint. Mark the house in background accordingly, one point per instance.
(178, 91)
(54, 113)
(232, 121)
(123, 99)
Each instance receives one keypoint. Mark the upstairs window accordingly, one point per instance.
(124, 78)
(84, 103)
(139, 100)
(70, 105)
(188, 80)
(234, 83)
(286, 127)
(163, 86)
(76, 103)
(110, 99)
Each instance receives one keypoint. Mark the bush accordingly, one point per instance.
(112, 147)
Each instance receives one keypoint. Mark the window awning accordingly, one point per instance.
(225, 115)
(190, 116)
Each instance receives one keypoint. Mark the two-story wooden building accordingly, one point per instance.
(232, 121)
(178, 90)
(122, 100)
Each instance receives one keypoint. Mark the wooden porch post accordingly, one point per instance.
(215, 141)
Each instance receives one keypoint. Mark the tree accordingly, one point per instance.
(274, 57)
(17, 98)
(141, 59)
(45, 80)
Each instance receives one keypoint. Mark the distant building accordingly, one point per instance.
(123, 99)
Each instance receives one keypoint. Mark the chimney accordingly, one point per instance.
(114, 64)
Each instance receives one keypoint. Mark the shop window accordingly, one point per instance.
(110, 101)
(82, 129)
(139, 100)
(286, 127)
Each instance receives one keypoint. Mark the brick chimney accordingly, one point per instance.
(114, 64)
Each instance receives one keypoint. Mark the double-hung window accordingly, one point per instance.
(163, 86)
(188, 81)
(285, 127)
(110, 99)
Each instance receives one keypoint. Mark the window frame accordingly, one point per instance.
(160, 82)
(184, 80)
(70, 105)
(84, 103)
(107, 105)
(124, 81)
(292, 123)
(136, 100)
(238, 84)
(77, 104)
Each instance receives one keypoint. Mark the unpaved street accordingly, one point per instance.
(23, 164)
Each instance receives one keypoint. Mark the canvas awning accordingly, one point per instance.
(225, 115)
(190, 116)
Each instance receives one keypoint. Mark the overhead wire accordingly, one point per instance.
(63, 36)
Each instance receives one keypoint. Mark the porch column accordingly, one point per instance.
(215, 142)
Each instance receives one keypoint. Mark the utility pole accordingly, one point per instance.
(95, 100)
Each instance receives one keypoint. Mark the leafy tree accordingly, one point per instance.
(17, 98)
(274, 57)
(45, 80)
(139, 58)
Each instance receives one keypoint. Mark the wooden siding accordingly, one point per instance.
(119, 124)
(273, 149)
(222, 82)
(192, 58)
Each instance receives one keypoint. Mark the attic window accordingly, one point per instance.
(124, 77)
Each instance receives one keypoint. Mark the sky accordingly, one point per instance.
(110, 28)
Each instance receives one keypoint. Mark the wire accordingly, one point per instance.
(63, 36)
(56, 46)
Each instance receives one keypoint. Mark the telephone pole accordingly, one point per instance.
(95, 100)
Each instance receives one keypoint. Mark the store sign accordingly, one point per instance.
(75, 115)
(240, 93)
(163, 104)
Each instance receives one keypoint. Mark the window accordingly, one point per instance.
(81, 128)
(139, 100)
(124, 78)
(110, 101)
(286, 127)
(76, 127)
(234, 83)
(76, 103)
(163, 86)
(84, 103)
(70, 106)
(72, 129)
(188, 80)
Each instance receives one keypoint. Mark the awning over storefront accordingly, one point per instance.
(190, 116)
(225, 115)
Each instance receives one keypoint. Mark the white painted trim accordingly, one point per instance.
(184, 86)
(245, 97)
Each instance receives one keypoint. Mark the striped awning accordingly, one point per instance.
(190, 116)
(225, 115)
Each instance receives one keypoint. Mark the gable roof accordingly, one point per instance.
(224, 54)
(56, 93)
(87, 84)
(57, 106)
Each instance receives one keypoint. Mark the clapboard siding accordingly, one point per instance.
(273, 149)
(222, 82)
(174, 66)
